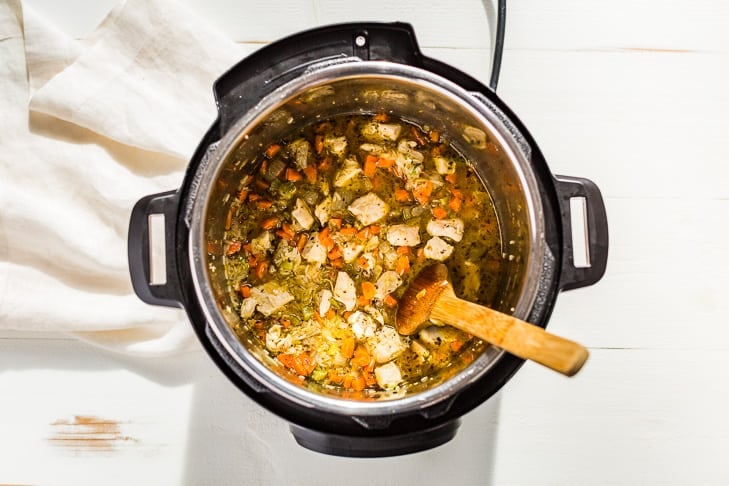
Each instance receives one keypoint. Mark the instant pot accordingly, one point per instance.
(351, 69)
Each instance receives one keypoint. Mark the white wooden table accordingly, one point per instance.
(630, 94)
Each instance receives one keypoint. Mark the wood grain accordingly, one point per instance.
(88, 434)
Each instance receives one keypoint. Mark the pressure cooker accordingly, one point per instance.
(351, 69)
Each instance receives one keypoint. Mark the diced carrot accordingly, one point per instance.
(289, 233)
(293, 175)
(335, 377)
(229, 219)
(311, 173)
(370, 166)
(422, 192)
(323, 127)
(335, 254)
(374, 229)
(364, 233)
(455, 204)
(263, 168)
(248, 248)
(215, 248)
(242, 195)
(417, 135)
(252, 261)
(492, 148)
(439, 212)
(402, 264)
(403, 250)
(378, 182)
(330, 314)
(338, 263)
(420, 255)
(401, 195)
(233, 247)
(390, 301)
(261, 269)
(301, 243)
(245, 291)
(456, 346)
(348, 230)
(335, 222)
(381, 117)
(347, 348)
(363, 263)
(385, 163)
(272, 150)
(363, 301)
(302, 363)
(254, 197)
(347, 381)
(261, 184)
(369, 378)
(285, 322)
(368, 290)
(325, 164)
(361, 357)
(451, 178)
(358, 383)
(264, 204)
(269, 223)
(325, 239)
(318, 143)
(434, 136)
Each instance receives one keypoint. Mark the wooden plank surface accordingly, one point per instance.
(630, 94)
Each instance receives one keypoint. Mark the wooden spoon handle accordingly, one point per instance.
(520, 338)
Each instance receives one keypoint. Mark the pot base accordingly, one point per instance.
(375, 446)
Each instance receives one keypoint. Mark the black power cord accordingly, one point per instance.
(498, 44)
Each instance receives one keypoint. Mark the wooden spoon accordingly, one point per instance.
(431, 295)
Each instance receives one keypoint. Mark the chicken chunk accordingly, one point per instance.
(323, 210)
(376, 132)
(387, 344)
(409, 160)
(437, 249)
(444, 166)
(270, 297)
(369, 209)
(300, 149)
(350, 169)
(351, 249)
(388, 282)
(336, 145)
(403, 235)
(302, 215)
(388, 375)
(314, 251)
(345, 291)
(449, 228)
(362, 325)
(325, 301)
(261, 243)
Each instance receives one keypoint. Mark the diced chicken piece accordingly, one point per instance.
(449, 228)
(375, 131)
(276, 341)
(444, 166)
(388, 282)
(372, 148)
(369, 209)
(372, 243)
(474, 136)
(270, 297)
(409, 160)
(302, 215)
(345, 291)
(436, 335)
(350, 169)
(300, 149)
(387, 344)
(362, 325)
(388, 375)
(336, 145)
(325, 301)
(403, 235)
(323, 210)
(286, 258)
(419, 349)
(261, 243)
(351, 249)
(314, 251)
(437, 249)
(248, 307)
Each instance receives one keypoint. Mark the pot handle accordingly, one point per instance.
(596, 229)
(154, 273)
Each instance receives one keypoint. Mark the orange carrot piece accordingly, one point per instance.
(368, 290)
(455, 204)
(261, 269)
(363, 263)
(311, 173)
(335, 254)
(434, 136)
(242, 195)
(348, 231)
(381, 117)
(245, 291)
(385, 163)
(335, 222)
(422, 192)
(358, 383)
(335, 377)
(347, 348)
(233, 248)
(229, 219)
(403, 250)
(369, 378)
(361, 357)
(374, 229)
(325, 239)
(370, 166)
(302, 242)
(269, 223)
(402, 264)
(293, 175)
(451, 178)
(338, 263)
(390, 301)
(272, 150)
(285, 322)
(325, 164)
(401, 195)
(318, 143)
(330, 314)
(363, 301)
(302, 364)
(439, 213)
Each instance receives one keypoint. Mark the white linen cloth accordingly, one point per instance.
(87, 128)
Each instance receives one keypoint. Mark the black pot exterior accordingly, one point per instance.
(343, 434)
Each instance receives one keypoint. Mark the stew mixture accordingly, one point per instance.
(323, 237)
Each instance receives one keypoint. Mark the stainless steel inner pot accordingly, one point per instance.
(353, 86)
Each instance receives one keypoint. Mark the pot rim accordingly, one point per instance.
(316, 76)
